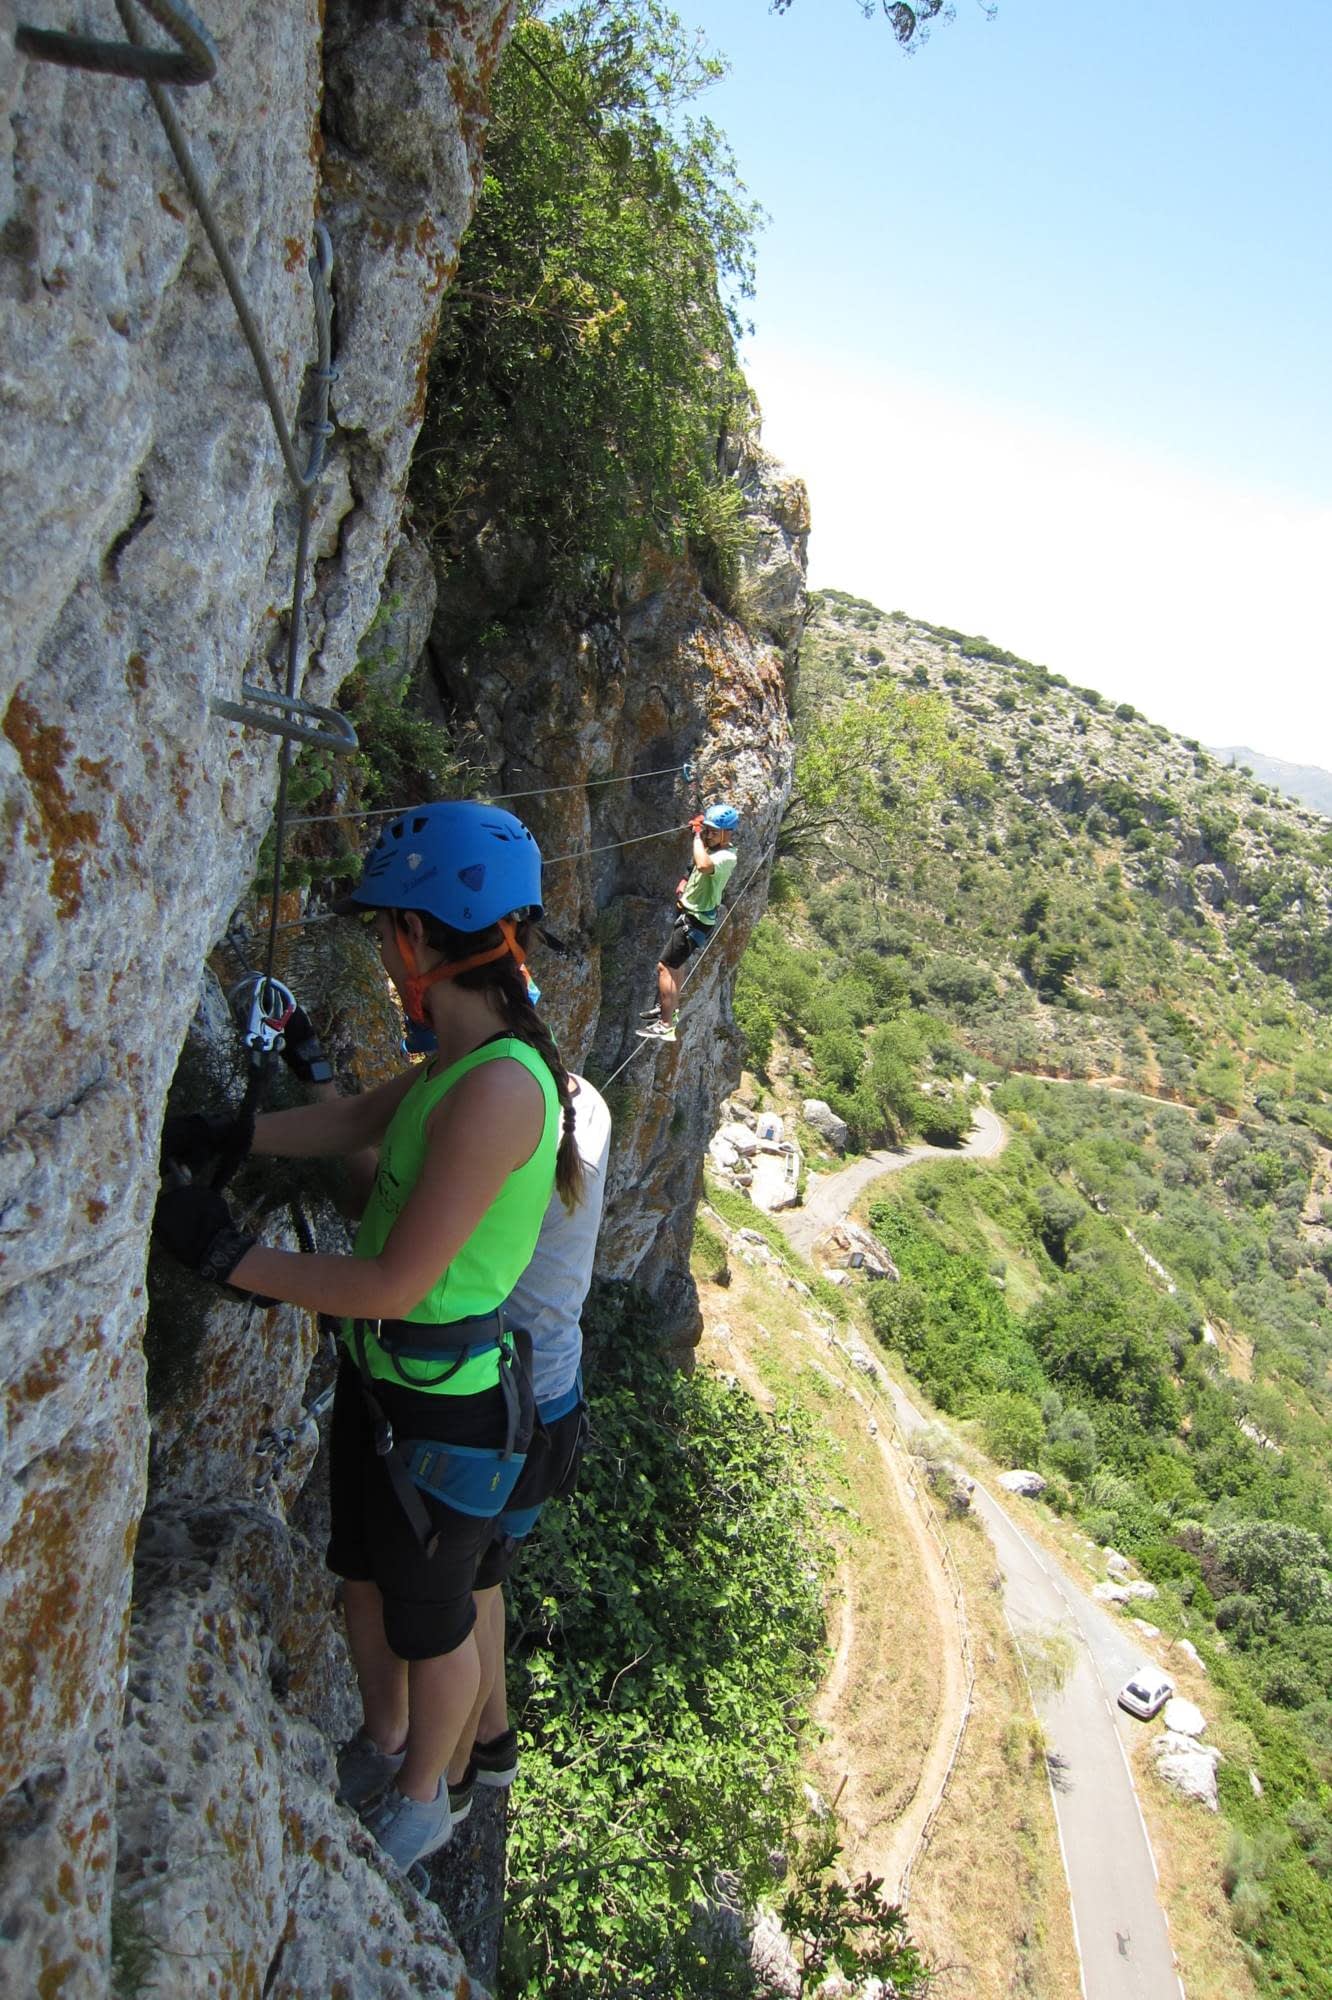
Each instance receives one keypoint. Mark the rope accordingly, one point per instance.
(491, 798)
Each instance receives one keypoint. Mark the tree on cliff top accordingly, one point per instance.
(910, 24)
(584, 381)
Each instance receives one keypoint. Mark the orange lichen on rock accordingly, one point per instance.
(47, 1631)
(42, 748)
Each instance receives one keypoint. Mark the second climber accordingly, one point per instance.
(697, 901)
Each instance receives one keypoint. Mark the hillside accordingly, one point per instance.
(1308, 783)
(1129, 943)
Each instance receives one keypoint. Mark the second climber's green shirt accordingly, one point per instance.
(488, 1265)
(703, 891)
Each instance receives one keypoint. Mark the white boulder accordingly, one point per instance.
(1021, 1481)
(1184, 1717)
(1188, 1767)
(821, 1118)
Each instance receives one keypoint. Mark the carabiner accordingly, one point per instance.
(271, 1006)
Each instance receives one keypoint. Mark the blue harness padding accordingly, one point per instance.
(556, 1407)
(465, 1477)
(699, 932)
(469, 1478)
(519, 1521)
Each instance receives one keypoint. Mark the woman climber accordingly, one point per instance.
(696, 904)
(433, 1408)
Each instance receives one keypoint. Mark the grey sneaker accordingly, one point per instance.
(496, 1763)
(409, 1829)
(656, 1031)
(364, 1769)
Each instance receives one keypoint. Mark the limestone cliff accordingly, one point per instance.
(165, 1782)
(145, 556)
(669, 677)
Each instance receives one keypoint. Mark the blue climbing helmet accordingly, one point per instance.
(461, 861)
(724, 818)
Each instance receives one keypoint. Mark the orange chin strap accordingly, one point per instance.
(415, 984)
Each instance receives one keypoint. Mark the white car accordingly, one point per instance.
(1146, 1692)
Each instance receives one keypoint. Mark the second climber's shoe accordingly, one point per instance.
(656, 1031)
(496, 1763)
(364, 1769)
(409, 1829)
(462, 1794)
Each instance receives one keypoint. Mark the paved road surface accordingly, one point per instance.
(1122, 1934)
(828, 1197)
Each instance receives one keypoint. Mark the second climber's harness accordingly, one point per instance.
(472, 1479)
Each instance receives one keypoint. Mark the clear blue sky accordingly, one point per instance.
(1043, 316)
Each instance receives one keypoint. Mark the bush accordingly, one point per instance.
(584, 366)
(666, 1626)
(1012, 1428)
(754, 1020)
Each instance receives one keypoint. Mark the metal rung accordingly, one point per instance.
(340, 734)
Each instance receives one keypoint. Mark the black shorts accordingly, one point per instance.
(428, 1606)
(553, 1458)
(685, 939)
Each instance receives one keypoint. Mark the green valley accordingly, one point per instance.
(1025, 889)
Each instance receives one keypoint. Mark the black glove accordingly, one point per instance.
(197, 1138)
(303, 1052)
(196, 1226)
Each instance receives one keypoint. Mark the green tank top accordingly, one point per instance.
(498, 1251)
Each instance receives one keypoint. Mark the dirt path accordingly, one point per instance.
(883, 1812)
(900, 1841)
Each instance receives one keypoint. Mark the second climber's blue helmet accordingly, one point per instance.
(723, 817)
(461, 861)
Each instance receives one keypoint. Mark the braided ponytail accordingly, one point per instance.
(505, 980)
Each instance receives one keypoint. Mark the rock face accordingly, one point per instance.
(668, 677)
(848, 1247)
(145, 559)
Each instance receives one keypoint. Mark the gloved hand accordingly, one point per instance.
(697, 822)
(197, 1138)
(196, 1226)
(303, 1052)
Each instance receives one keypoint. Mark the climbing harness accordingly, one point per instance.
(471, 1479)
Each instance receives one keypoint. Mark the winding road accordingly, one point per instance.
(1123, 1940)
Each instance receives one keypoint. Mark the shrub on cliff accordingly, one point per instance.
(666, 1627)
(583, 381)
